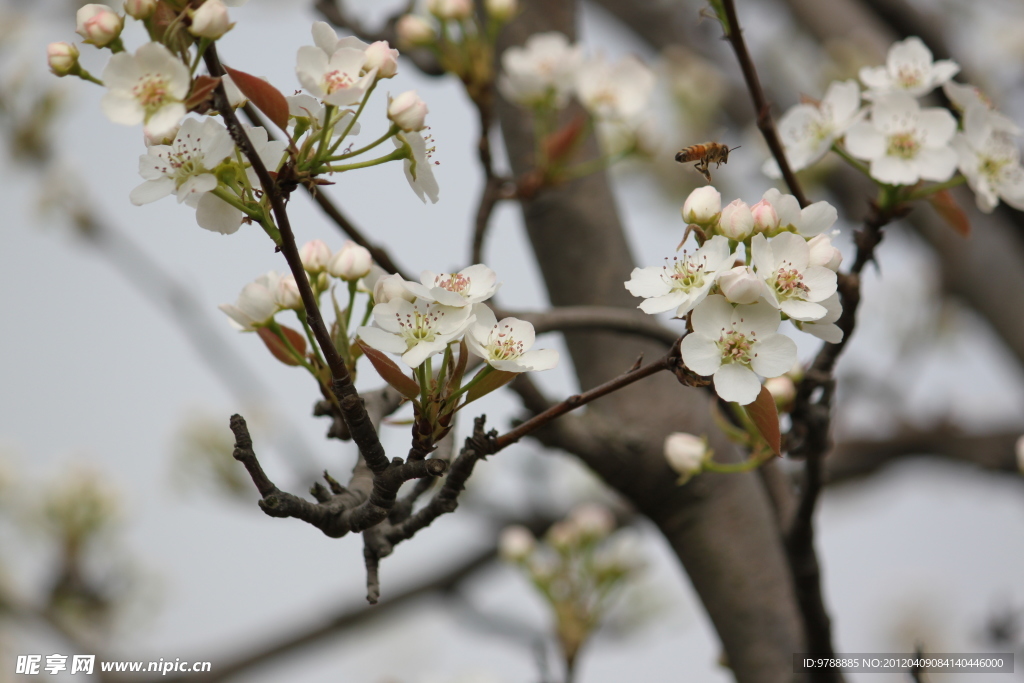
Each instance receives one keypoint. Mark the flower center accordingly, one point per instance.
(455, 282)
(684, 273)
(735, 346)
(903, 145)
(502, 345)
(418, 325)
(909, 76)
(151, 92)
(337, 80)
(789, 282)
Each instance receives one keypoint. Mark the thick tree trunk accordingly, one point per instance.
(721, 527)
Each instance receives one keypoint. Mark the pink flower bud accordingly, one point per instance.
(350, 263)
(210, 20)
(737, 223)
(391, 287)
(408, 111)
(822, 253)
(98, 24)
(740, 285)
(593, 520)
(450, 9)
(140, 9)
(502, 10)
(563, 535)
(62, 58)
(414, 30)
(703, 206)
(516, 543)
(314, 256)
(766, 218)
(685, 453)
(383, 58)
(287, 294)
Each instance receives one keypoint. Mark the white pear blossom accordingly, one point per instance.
(825, 327)
(351, 263)
(516, 543)
(965, 97)
(314, 255)
(736, 222)
(450, 9)
(543, 70)
(338, 79)
(61, 58)
(287, 294)
(807, 131)
(618, 92)
(822, 253)
(731, 343)
(408, 111)
(417, 169)
(685, 453)
(903, 142)
(414, 30)
(469, 286)
(185, 167)
(703, 207)
(505, 345)
(417, 330)
(383, 58)
(310, 109)
(990, 160)
(147, 87)
(326, 38)
(211, 20)
(909, 68)
(257, 303)
(140, 9)
(683, 283)
(98, 24)
(791, 283)
(740, 285)
(766, 218)
(809, 221)
(389, 287)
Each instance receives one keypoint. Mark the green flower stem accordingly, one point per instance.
(484, 371)
(309, 336)
(77, 70)
(203, 44)
(421, 377)
(325, 132)
(351, 302)
(401, 153)
(850, 160)
(115, 45)
(755, 461)
(348, 155)
(298, 357)
(359, 110)
(445, 362)
(257, 214)
(369, 312)
(932, 189)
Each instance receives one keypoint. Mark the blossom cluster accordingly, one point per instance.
(420, 319)
(547, 71)
(195, 158)
(736, 305)
(902, 142)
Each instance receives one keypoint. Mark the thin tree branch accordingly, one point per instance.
(761, 105)
(353, 411)
(563, 318)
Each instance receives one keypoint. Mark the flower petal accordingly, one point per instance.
(737, 383)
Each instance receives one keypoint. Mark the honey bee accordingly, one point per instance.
(705, 154)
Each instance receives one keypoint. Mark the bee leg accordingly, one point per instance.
(702, 166)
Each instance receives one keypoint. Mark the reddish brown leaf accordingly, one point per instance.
(202, 90)
(390, 372)
(455, 378)
(951, 212)
(563, 140)
(766, 417)
(495, 379)
(266, 97)
(279, 348)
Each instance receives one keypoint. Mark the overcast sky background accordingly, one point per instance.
(93, 376)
